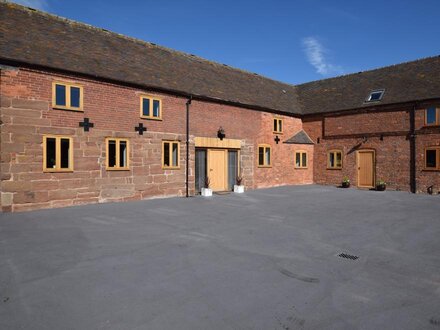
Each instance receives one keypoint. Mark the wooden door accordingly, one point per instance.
(366, 173)
(217, 171)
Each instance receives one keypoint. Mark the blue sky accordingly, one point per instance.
(293, 41)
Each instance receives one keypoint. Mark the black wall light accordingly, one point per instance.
(221, 133)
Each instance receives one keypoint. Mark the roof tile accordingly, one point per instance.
(36, 38)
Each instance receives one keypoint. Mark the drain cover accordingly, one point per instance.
(348, 256)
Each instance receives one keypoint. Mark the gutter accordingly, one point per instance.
(171, 91)
(188, 103)
(412, 149)
(386, 107)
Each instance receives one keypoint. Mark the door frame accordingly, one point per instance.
(374, 166)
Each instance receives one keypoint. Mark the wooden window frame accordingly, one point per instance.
(151, 100)
(278, 121)
(301, 152)
(118, 150)
(68, 87)
(437, 149)
(334, 151)
(265, 146)
(57, 153)
(165, 167)
(437, 117)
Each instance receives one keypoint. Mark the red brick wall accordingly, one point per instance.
(282, 171)
(426, 137)
(370, 122)
(255, 127)
(27, 114)
(392, 153)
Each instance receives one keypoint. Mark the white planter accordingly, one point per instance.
(238, 189)
(206, 192)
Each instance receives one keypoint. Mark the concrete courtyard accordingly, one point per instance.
(266, 259)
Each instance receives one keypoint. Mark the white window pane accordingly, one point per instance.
(175, 154)
(156, 108)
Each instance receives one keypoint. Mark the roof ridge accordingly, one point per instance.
(370, 70)
(133, 39)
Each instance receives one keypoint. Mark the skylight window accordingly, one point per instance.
(375, 95)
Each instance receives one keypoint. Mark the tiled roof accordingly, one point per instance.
(36, 38)
(300, 138)
(42, 39)
(411, 81)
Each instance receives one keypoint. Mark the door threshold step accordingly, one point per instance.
(222, 192)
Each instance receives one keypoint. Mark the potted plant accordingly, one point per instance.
(431, 190)
(345, 182)
(381, 185)
(206, 191)
(239, 187)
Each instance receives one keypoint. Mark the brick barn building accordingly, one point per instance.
(92, 116)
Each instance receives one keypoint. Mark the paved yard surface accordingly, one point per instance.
(266, 259)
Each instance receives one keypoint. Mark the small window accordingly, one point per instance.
(432, 116)
(375, 95)
(334, 159)
(264, 156)
(277, 125)
(301, 159)
(170, 154)
(432, 158)
(117, 154)
(57, 153)
(151, 108)
(67, 96)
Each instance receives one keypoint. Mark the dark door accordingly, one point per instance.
(200, 169)
(232, 168)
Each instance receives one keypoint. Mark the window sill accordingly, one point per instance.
(117, 169)
(334, 168)
(57, 107)
(277, 132)
(264, 166)
(301, 168)
(151, 118)
(431, 170)
(170, 168)
(372, 101)
(57, 171)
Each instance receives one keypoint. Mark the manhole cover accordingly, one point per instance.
(348, 256)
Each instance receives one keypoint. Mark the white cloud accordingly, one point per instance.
(315, 53)
(36, 4)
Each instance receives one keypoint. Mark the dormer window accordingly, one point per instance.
(375, 95)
